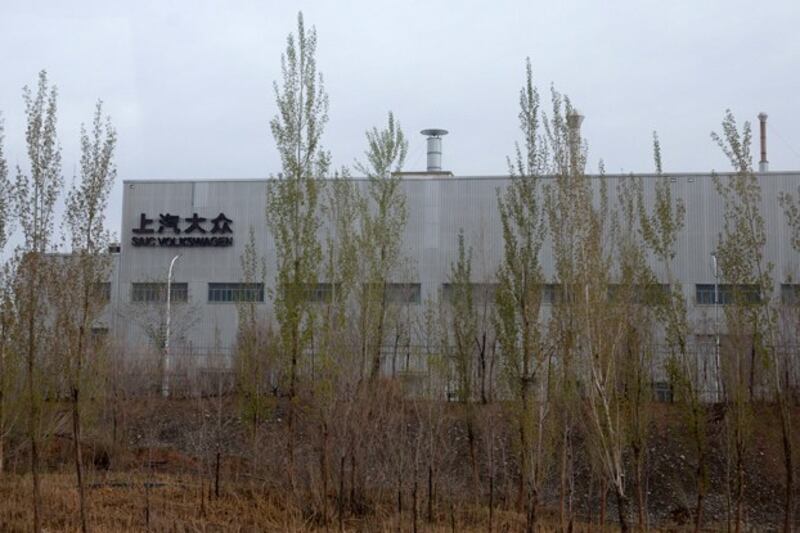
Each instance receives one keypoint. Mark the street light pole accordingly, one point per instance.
(716, 326)
(165, 377)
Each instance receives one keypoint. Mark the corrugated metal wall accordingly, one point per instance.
(438, 208)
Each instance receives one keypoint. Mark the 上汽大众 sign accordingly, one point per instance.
(176, 231)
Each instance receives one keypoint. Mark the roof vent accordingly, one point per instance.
(434, 148)
(763, 164)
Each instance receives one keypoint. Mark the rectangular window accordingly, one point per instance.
(103, 292)
(321, 293)
(556, 293)
(662, 391)
(549, 292)
(403, 293)
(99, 332)
(650, 294)
(481, 292)
(235, 292)
(157, 292)
(726, 294)
(316, 293)
(790, 294)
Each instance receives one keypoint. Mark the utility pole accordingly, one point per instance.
(716, 328)
(165, 377)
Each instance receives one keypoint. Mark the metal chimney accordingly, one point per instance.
(434, 148)
(763, 165)
(574, 121)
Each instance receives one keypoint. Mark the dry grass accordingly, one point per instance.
(122, 502)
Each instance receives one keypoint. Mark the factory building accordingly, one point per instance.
(207, 223)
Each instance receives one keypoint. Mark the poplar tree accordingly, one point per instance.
(35, 196)
(661, 225)
(383, 220)
(5, 192)
(519, 297)
(7, 359)
(336, 359)
(463, 329)
(638, 295)
(750, 316)
(83, 275)
(567, 198)
(292, 205)
(253, 348)
(781, 371)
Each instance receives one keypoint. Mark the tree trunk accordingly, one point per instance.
(291, 414)
(2, 426)
(76, 437)
(2, 397)
(523, 466)
(473, 459)
(33, 419)
(352, 480)
(430, 493)
(640, 503)
(739, 489)
(376, 358)
(622, 508)
(701, 492)
(147, 504)
(414, 511)
(340, 501)
(603, 493)
(323, 467)
(788, 520)
(482, 360)
(784, 407)
(491, 496)
(532, 510)
(218, 460)
(399, 504)
(563, 479)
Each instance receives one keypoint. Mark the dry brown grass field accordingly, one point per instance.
(161, 476)
(166, 502)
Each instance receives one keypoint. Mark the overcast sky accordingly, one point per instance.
(188, 84)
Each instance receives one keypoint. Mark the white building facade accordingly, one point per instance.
(208, 223)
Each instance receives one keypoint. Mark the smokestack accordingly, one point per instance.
(434, 148)
(763, 165)
(574, 121)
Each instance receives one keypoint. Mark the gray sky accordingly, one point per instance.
(189, 83)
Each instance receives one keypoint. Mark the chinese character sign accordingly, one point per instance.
(171, 230)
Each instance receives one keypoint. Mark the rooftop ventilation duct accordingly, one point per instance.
(574, 121)
(763, 164)
(434, 148)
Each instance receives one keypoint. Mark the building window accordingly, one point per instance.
(556, 293)
(235, 292)
(790, 294)
(726, 294)
(481, 292)
(103, 292)
(157, 292)
(403, 293)
(649, 294)
(315, 293)
(662, 391)
(321, 293)
(549, 291)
